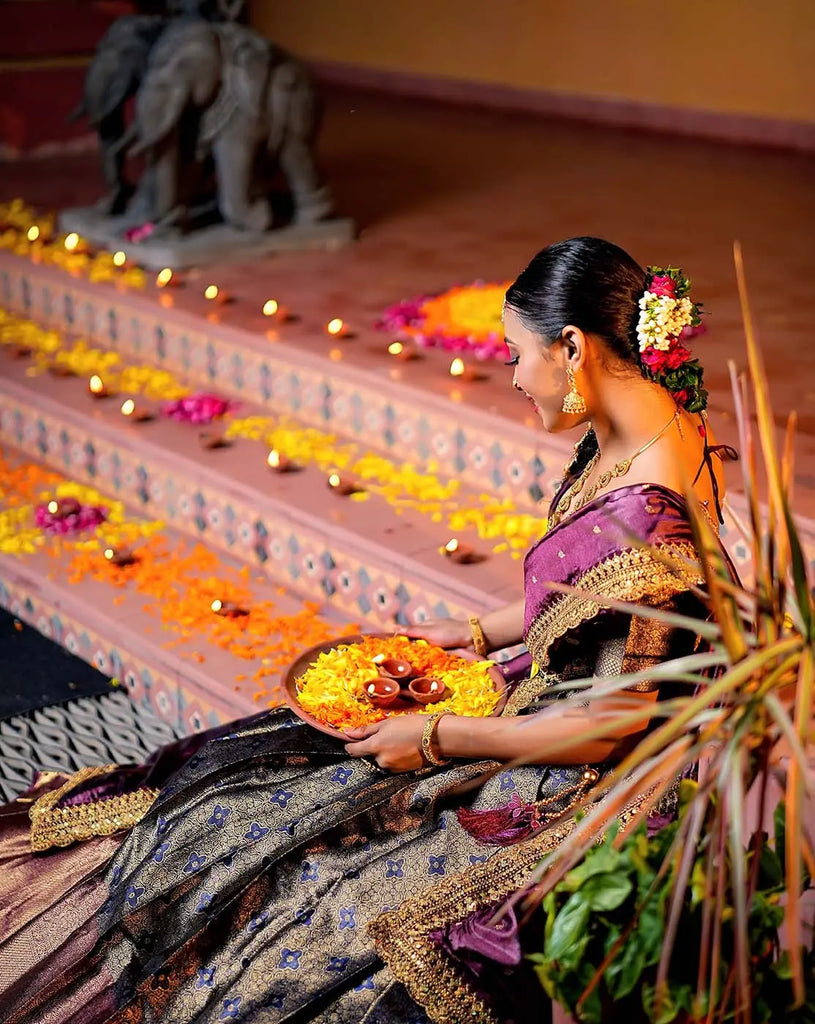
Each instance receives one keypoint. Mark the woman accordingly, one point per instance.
(282, 877)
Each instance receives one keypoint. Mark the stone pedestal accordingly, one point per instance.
(217, 243)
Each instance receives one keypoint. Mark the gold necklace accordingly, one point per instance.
(619, 469)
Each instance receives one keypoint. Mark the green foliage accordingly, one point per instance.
(605, 925)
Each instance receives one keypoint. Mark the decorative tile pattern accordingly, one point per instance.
(321, 399)
(286, 551)
(146, 685)
(178, 701)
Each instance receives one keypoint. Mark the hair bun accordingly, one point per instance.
(667, 319)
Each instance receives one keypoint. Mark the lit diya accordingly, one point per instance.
(280, 463)
(274, 311)
(343, 485)
(136, 413)
(63, 507)
(228, 609)
(120, 556)
(98, 388)
(338, 328)
(73, 243)
(167, 279)
(426, 690)
(403, 350)
(394, 668)
(382, 691)
(464, 371)
(216, 295)
(463, 554)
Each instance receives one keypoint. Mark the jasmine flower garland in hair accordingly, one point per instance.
(667, 318)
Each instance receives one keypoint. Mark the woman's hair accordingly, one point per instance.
(586, 282)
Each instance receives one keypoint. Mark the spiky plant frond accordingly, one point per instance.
(746, 717)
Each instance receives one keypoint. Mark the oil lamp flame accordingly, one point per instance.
(119, 258)
(71, 241)
(271, 307)
(164, 277)
(336, 327)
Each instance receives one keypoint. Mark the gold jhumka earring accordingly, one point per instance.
(573, 401)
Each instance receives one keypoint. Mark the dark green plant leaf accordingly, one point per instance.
(568, 929)
(606, 891)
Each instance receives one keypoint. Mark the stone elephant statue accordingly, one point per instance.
(232, 93)
(114, 75)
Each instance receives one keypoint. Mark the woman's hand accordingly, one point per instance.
(441, 632)
(395, 743)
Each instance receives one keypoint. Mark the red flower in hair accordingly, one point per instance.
(658, 362)
(661, 284)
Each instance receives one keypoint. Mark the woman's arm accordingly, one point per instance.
(395, 742)
(530, 739)
(502, 628)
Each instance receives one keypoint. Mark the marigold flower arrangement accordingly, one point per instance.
(331, 689)
(667, 319)
(465, 318)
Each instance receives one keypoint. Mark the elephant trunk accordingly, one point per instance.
(127, 141)
(157, 114)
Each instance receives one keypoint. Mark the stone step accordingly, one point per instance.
(362, 557)
(182, 673)
(474, 431)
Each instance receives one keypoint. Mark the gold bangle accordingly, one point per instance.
(428, 735)
(479, 640)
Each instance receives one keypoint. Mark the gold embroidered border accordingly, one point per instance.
(628, 576)
(528, 690)
(402, 938)
(52, 825)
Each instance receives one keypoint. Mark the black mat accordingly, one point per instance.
(35, 672)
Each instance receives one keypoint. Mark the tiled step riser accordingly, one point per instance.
(159, 687)
(480, 449)
(357, 581)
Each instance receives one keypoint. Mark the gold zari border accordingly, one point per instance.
(628, 576)
(402, 935)
(52, 825)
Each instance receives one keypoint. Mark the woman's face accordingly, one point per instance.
(539, 372)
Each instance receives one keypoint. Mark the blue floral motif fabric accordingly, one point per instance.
(246, 892)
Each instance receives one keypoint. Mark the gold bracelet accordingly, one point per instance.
(479, 640)
(428, 735)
